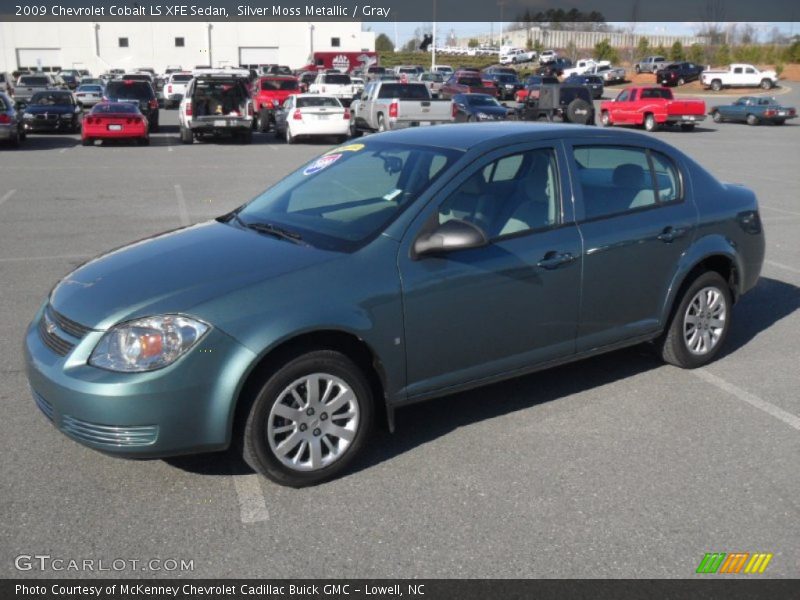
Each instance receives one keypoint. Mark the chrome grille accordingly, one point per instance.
(44, 405)
(48, 335)
(69, 326)
(106, 435)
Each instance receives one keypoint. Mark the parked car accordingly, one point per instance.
(448, 263)
(138, 92)
(54, 110)
(216, 105)
(71, 81)
(678, 73)
(651, 107)
(466, 82)
(89, 94)
(12, 129)
(650, 64)
(312, 115)
(115, 121)
(493, 70)
(510, 56)
(547, 56)
(444, 70)
(554, 68)
(609, 73)
(532, 86)
(337, 85)
(386, 105)
(593, 82)
(754, 110)
(478, 107)
(269, 94)
(28, 85)
(583, 66)
(507, 85)
(525, 56)
(739, 75)
(175, 88)
(559, 102)
(434, 82)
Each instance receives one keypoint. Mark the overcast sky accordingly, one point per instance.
(405, 30)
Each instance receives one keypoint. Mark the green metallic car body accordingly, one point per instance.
(418, 324)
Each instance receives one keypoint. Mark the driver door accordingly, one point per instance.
(281, 114)
(474, 314)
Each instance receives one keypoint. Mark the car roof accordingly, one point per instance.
(499, 134)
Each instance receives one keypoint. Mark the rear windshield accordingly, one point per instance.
(34, 81)
(90, 88)
(506, 78)
(656, 93)
(470, 81)
(136, 78)
(133, 90)
(269, 85)
(115, 108)
(310, 101)
(404, 91)
(338, 79)
(181, 78)
(51, 98)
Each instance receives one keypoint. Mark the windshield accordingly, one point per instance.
(34, 81)
(470, 81)
(506, 78)
(338, 79)
(182, 78)
(269, 85)
(90, 88)
(51, 98)
(350, 194)
(115, 108)
(311, 101)
(482, 100)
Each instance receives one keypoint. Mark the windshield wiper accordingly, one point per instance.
(273, 230)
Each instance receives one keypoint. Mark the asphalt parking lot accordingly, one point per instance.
(618, 466)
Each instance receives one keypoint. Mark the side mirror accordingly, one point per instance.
(449, 236)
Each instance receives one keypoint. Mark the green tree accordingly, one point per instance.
(660, 51)
(473, 43)
(538, 46)
(676, 52)
(603, 50)
(571, 50)
(643, 48)
(383, 43)
(697, 54)
(792, 53)
(723, 55)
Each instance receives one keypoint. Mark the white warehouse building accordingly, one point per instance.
(100, 46)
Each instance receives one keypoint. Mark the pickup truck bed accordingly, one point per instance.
(387, 106)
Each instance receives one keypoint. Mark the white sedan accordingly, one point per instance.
(89, 94)
(312, 115)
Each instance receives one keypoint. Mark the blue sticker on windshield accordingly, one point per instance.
(322, 162)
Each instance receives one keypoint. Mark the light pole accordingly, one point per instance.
(311, 33)
(433, 42)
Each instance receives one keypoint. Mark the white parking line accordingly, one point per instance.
(182, 210)
(753, 400)
(782, 266)
(252, 507)
(6, 196)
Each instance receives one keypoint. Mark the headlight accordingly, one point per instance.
(147, 344)
(27, 115)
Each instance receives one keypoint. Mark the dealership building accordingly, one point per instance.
(100, 46)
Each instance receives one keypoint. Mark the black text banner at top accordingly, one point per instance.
(533, 11)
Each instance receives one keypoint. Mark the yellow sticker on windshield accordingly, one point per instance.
(348, 148)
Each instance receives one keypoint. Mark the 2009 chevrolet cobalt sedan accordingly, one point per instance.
(406, 266)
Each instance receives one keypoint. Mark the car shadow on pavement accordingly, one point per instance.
(771, 301)
(47, 142)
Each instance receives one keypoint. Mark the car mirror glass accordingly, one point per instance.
(450, 236)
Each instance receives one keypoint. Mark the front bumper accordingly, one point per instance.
(50, 124)
(184, 408)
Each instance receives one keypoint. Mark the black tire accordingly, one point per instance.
(255, 447)
(716, 116)
(381, 124)
(145, 141)
(681, 81)
(290, 139)
(716, 85)
(752, 120)
(15, 141)
(687, 127)
(186, 135)
(650, 123)
(354, 130)
(263, 121)
(637, 69)
(672, 345)
(605, 119)
(766, 84)
(579, 111)
(153, 127)
(246, 137)
(87, 142)
(780, 122)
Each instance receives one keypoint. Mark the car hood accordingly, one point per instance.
(490, 110)
(174, 271)
(53, 109)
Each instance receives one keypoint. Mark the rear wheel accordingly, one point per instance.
(263, 121)
(766, 84)
(650, 123)
(681, 81)
(605, 119)
(145, 141)
(716, 85)
(752, 120)
(87, 142)
(246, 137)
(780, 121)
(381, 124)
(700, 324)
(309, 419)
(637, 69)
(290, 139)
(716, 116)
(186, 135)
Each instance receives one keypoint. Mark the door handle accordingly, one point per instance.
(670, 234)
(553, 260)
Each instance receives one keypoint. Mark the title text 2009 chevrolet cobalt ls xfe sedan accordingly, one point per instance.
(399, 268)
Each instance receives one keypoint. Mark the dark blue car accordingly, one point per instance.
(53, 110)
(478, 107)
(400, 268)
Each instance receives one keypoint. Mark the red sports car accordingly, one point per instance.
(113, 121)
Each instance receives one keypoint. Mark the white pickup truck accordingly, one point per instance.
(738, 75)
(583, 66)
(337, 85)
(388, 105)
(175, 88)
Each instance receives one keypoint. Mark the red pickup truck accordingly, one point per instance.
(466, 82)
(651, 107)
(269, 93)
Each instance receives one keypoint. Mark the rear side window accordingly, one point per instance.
(617, 179)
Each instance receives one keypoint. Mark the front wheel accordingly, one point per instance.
(605, 119)
(716, 116)
(716, 85)
(752, 120)
(309, 419)
(766, 84)
(681, 81)
(700, 324)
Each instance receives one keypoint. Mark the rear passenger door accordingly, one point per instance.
(637, 219)
(477, 313)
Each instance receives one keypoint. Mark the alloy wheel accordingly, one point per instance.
(705, 320)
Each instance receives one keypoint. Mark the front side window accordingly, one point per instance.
(349, 195)
(513, 194)
(616, 179)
